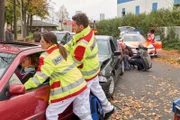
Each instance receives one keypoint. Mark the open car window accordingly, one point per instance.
(25, 73)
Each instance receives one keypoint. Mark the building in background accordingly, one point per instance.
(102, 16)
(42, 26)
(143, 6)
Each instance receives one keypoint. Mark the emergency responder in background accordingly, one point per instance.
(66, 81)
(84, 49)
(142, 59)
(37, 36)
(151, 36)
(9, 35)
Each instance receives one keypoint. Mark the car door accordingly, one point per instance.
(30, 105)
(115, 62)
(158, 42)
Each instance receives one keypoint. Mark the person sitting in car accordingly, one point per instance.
(27, 65)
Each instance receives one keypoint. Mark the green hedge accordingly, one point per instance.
(143, 22)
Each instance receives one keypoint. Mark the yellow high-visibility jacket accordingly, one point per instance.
(84, 50)
(65, 79)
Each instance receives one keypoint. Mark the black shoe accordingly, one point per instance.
(107, 115)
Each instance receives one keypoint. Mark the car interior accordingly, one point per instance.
(23, 78)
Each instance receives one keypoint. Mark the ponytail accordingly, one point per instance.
(63, 51)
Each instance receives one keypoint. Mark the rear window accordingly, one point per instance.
(134, 38)
(60, 36)
(103, 47)
(5, 61)
(126, 29)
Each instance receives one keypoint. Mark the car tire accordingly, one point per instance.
(111, 88)
(122, 67)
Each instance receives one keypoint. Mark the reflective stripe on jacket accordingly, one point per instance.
(65, 78)
(84, 50)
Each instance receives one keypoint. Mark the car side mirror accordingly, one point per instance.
(117, 53)
(16, 89)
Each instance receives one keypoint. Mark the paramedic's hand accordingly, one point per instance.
(129, 58)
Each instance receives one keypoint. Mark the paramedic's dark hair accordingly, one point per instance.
(50, 37)
(81, 19)
(152, 31)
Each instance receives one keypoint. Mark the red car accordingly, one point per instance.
(15, 102)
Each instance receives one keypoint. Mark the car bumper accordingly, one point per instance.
(151, 52)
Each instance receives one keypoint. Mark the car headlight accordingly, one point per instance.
(102, 79)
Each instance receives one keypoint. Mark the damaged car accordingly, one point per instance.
(111, 60)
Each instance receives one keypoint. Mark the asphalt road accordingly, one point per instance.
(147, 95)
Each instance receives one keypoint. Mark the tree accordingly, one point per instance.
(1, 20)
(8, 12)
(24, 4)
(63, 15)
(15, 21)
(38, 8)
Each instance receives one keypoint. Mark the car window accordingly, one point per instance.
(103, 47)
(60, 36)
(23, 72)
(5, 61)
(14, 79)
(157, 38)
(113, 48)
(126, 29)
(134, 38)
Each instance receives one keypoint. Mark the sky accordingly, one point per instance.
(92, 8)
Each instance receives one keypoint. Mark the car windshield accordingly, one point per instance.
(103, 47)
(5, 61)
(134, 38)
(126, 29)
(60, 36)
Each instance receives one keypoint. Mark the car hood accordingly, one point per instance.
(135, 44)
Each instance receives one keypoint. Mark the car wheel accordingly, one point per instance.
(112, 85)
(122, 67)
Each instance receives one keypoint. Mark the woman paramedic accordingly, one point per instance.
(66, 81)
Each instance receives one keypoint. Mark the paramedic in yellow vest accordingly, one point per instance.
(84, 49)
(66, 82)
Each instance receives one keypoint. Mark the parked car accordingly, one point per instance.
(15, 102)
(125, 29)
(63, 37)
(111, 62)
(133, 40)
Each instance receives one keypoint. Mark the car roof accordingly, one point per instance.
(16, 47)
(103, 37)
(126, 27)
(62, 32)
